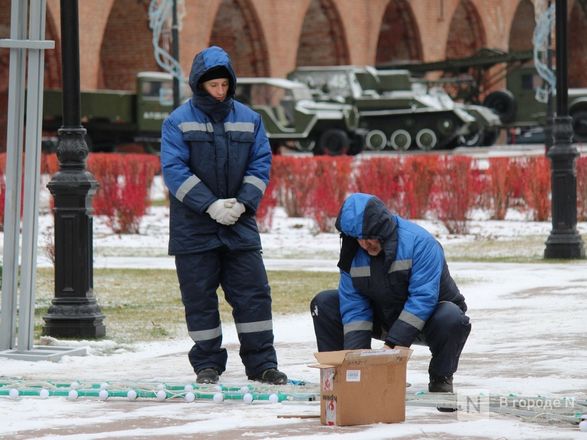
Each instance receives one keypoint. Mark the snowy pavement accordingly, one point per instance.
(528, 338)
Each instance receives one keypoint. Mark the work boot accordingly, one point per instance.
(441, 384)
(271, 376)
(207, 375)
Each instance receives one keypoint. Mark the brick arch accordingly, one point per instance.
(126, 47)
(237, 30)
(4, 53)
(52, 57)
(467, 34)
(322, 40)
(577, 29)
(4, 68)
(399, 37)
(522, 28)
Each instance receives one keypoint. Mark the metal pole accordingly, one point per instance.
(32, 174)
(175, 50)
(14, 145)
(564, 240)
(549, 113)
(74, 312)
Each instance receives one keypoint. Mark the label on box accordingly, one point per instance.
(353, 375)
(330, 415)
(328, 379)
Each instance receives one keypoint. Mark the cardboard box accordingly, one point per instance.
(359, 387)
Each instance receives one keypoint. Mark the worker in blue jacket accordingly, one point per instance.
(215, 159)
(394, 286)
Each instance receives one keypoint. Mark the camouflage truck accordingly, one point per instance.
(293, 119)
(116, 117)
(395, 111)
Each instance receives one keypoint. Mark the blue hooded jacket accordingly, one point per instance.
(392, 295)
(213, 150)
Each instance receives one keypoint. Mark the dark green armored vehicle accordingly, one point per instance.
(293, 119)
(396, 112)
(116, 117)
(518, 107)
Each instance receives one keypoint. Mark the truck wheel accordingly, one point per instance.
(503, 103)
(580, 125)
(490, 137)
(400, 140)
(333, 142)
(376, 140)
(306, 145)
(426, 139)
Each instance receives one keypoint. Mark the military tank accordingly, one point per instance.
(293, 119)
(396, 112)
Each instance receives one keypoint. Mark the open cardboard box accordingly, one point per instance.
(359, 387)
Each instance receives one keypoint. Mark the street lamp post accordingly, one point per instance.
(74, 312)
(564, 241)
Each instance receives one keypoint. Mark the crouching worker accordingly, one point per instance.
(216, 158)
(394, 286)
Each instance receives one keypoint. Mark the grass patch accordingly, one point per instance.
(145, 305)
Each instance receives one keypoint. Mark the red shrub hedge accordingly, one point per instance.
(332, 181)
(582, 189)
(536, 190)
(456, 190)
(419, 174)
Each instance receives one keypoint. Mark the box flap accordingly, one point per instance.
(379, 356)
(328, 359)
(331, 358)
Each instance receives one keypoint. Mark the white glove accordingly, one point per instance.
(220, 210)
(238, 209)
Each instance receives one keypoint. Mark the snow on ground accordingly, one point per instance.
(528, 338)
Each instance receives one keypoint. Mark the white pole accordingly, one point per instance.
(32, 171)
(14, 147)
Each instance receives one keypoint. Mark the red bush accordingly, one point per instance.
(332, 180)
(457, 188)
(267, 206)
(582, 188)
(297, 177)
(381, 176)
(418, 184)
(125, 182)
(501, 175)
(2, 197)
(536, 190)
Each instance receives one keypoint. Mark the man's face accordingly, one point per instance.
(371, 245)
(217, 88)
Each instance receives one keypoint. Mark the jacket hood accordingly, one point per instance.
(365, 216)
(211, 58)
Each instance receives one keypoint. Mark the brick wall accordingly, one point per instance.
(577, 33)
(399, 37)
(272, 37)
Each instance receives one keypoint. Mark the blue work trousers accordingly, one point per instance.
(445, 332)
(242, 276)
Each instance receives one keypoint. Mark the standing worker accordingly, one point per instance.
(216, 158)
(394, 286)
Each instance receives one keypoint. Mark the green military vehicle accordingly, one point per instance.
(518, 107)
(395, 111)
(116, 117)
(293, 119)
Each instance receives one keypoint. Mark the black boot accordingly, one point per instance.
(207, 375)
(271, 376)
(441, 384)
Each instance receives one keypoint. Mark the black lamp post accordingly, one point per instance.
(175, 52)
(564, 240)
(74, 312)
